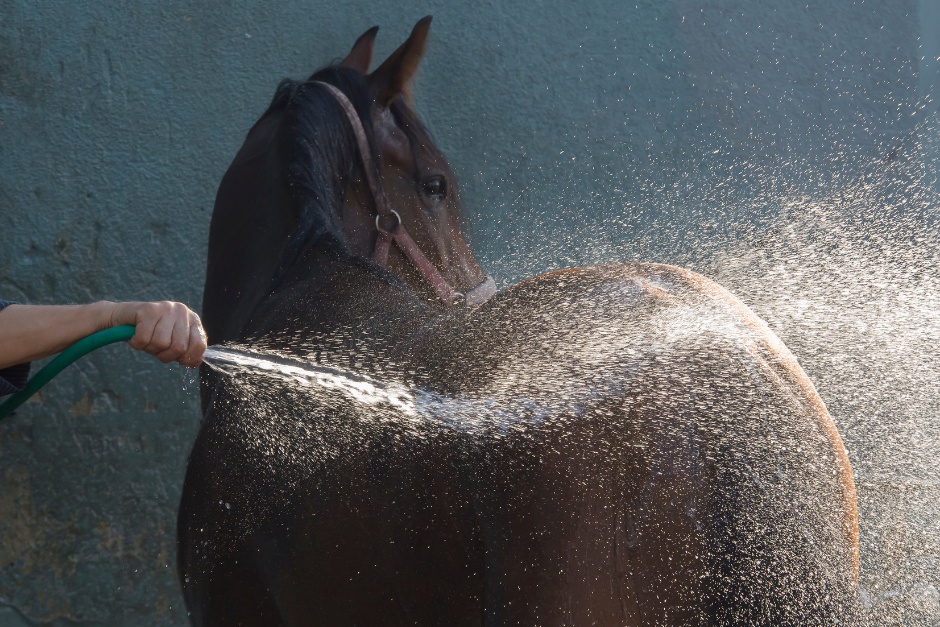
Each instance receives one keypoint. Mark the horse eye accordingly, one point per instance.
(435, 187)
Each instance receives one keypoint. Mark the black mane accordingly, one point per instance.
(321, 153)
(282, 193)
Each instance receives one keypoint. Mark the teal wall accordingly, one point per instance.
(668, 130)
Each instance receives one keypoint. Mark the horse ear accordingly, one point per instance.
(360, 57)
(393, 76)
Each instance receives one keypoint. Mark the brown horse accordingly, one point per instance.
(615, 445)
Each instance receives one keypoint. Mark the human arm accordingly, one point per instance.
(169, 331)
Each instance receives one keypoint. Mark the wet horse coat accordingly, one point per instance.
(620, 444)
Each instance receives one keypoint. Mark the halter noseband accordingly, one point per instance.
(384, 215)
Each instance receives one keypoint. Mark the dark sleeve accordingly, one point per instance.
(12, 379)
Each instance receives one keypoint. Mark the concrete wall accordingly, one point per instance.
(654, 129)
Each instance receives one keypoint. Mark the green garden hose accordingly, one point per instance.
(63, 360)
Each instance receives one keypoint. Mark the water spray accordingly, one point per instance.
(361, 388)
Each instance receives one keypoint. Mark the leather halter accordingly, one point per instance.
(397, 233)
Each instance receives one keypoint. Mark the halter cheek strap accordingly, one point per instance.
(396, 232)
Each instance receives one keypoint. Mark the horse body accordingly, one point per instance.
(615, 445)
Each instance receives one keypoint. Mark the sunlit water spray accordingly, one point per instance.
(356, 387)
(499, 406)
(847, 273)
(857, 297)
(385, 401)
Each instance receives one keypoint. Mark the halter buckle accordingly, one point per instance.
(378, 219)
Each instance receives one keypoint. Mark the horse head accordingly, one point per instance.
(307, 177)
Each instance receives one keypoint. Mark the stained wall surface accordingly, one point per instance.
(666, 130)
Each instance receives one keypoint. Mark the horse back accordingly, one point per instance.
(613, 445)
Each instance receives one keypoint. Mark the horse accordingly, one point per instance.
(622, 444)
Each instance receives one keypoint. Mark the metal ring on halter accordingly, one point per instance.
(379, 217)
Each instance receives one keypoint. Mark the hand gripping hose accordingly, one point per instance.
(64, 359)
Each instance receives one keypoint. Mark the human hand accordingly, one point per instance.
(169, 331)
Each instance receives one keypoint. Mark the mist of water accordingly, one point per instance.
(843, 262)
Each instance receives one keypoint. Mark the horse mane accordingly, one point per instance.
(321, 155)
(282, 193)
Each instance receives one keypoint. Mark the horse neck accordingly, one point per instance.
(334, 298)
(273, 199)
